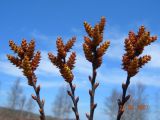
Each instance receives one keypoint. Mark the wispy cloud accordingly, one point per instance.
(9, 69)
(82, 66)
(46, 67)
(76, 31)
(47, 84)
(37, 35)
(116, 49)
(117, 76)
(154, 51)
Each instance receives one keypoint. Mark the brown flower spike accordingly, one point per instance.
(131, 60)
(94, 51)
(28, 61)
(65, 67)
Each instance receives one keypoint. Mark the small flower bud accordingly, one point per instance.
(127, 98)
(87, 115)
(90, 92)
(94, 106)
(38, 88)
(123, 85)
(90, 79)
(73, 109)
(95, 72)
(69, 93)
(34, 97)
(96, 85)
(40, 110)
(43, 101)
(77, 99)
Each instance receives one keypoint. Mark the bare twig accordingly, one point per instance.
(39, 101)
(124, 98)
(74, 100)
(94, 85)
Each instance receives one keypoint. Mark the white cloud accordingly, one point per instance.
(9, 69)
(40, 36)
(76, 30)
(48, 84)
(148, 80)
(114, 76)
(154, 51)
(116, 48)
(46, 67)
(82, 66)
(117, 76)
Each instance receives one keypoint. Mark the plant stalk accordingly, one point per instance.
(74, 100)
(124, 98)
(40, 103)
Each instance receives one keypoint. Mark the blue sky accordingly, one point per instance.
(44, 21)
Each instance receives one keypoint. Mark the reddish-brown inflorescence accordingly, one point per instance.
(28, 61)
(94, 51)
(131, 60)
(134, 46)
(65, 67)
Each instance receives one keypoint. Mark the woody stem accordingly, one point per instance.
(74, 100)
(123, 101)
(39, 102)
(92, 94)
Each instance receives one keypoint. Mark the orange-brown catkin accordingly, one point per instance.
(30, 50)
(88, 29)
(71, 61)
(60, 48)
(134, 46)
(26, 60)
(65, 66)
(92, 51)
(36, 60)
(15, 60)
(69, 44)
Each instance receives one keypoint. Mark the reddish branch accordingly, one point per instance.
(38, 100)
(28, 61)
(132, 62)
(74, 100)
(94, 52)
(65, 68)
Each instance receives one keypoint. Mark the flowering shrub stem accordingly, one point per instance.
(28, 61)
(92, 104)
(132, 61)
(94, 50)
(120, 104)
(65, 68)
(74, 100)
(40, 103)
